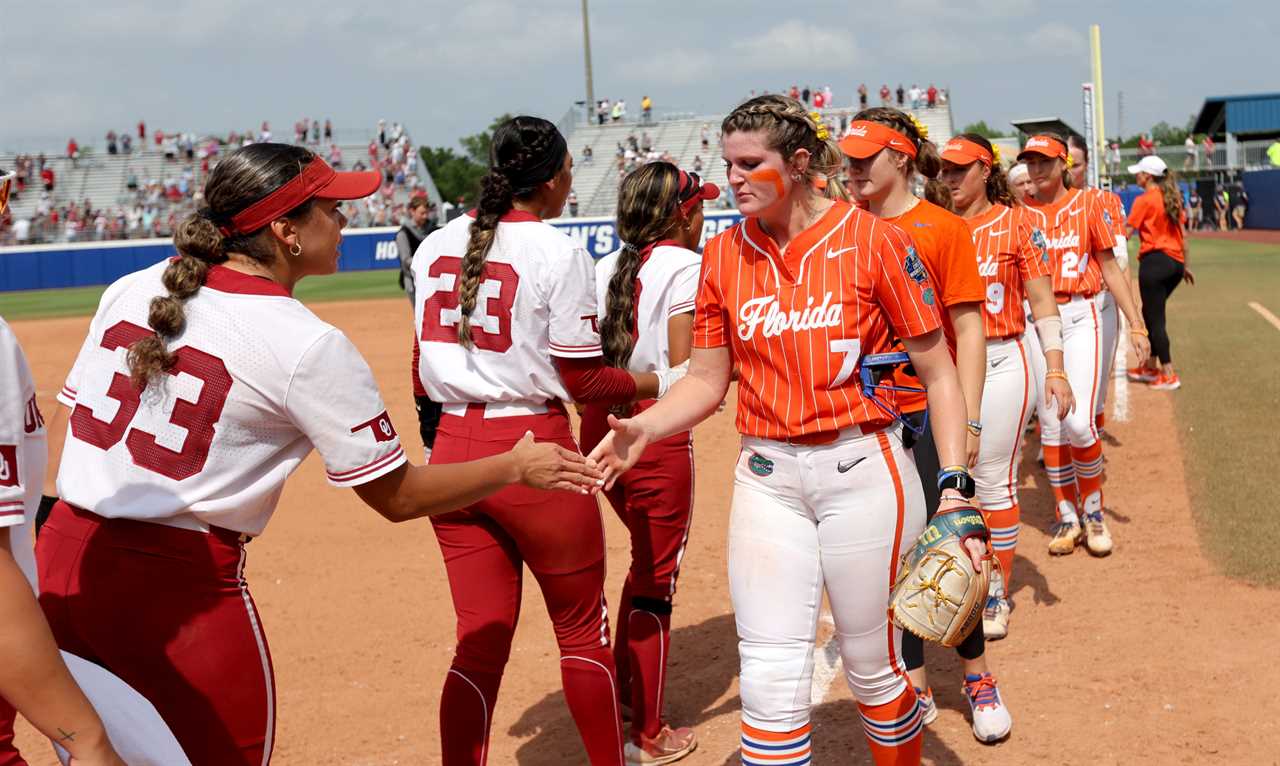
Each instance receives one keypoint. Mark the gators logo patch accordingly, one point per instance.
(928, 296)
(1106, 217)
(1038, 240)
(914, 266)
(760, 466)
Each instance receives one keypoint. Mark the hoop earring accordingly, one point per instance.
(295, 249)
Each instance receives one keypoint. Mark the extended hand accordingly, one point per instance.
(550, 466)
(1188, 277)
(1141, 347)
(620, 448)
(977, 549)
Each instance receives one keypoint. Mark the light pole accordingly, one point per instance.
(586, 52)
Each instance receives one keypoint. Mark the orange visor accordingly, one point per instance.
(1046, 146)
(865, 138)
(961, 151)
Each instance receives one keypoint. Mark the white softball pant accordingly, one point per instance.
(1109, 319)
(1008, 397)
(804, 518)
(1082, 353)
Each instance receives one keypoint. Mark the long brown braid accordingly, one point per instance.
(525, 153)
(648, 204)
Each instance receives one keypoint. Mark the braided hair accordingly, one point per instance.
(239, 180)
(998, 191)
(790, 128)
(648, 211)
(526, 152)
(927, 161)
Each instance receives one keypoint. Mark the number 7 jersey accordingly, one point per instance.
(257, 382)
(537, 300)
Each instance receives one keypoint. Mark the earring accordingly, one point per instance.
(796, 177)
(296, 249)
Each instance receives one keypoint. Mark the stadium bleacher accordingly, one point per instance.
(596, 182)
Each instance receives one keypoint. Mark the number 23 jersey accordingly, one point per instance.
(258, 381)
(536, 300)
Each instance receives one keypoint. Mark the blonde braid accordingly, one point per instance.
(790, 127)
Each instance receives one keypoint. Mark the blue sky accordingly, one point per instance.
(445, 69)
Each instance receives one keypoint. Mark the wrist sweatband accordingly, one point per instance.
(1050, 330)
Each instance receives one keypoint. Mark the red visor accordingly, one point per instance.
(865, 138)
(961, 151)
(317, 179)
(693, 191)
(1047, 146)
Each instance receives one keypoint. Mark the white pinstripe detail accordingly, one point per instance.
(613, 696)
(991, 223)
(268, 681)
(804, 260)
(484, 705)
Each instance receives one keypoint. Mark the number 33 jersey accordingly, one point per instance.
(258, 380)
(536, 300)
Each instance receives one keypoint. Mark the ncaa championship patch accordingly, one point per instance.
(760, 466)
(914, 266)
(1038, 240)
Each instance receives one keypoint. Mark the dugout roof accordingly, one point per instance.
(1033, 125)
(1257, 114)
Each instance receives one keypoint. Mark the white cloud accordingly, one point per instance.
(1056, 39)
(795, 44)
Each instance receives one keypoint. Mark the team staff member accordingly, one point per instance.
(646, 295)
(506, 313)
(1108, 315)
(1080, 245)
(1158, 218)
(887, 148)
(824, 494)
(1013, 265)
(33, 677)
(202, 384)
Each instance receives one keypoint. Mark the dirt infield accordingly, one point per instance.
(1147, 656)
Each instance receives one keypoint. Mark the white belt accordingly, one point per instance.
(497, 409)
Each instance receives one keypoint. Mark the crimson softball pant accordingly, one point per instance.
(807, 519)
(655, 501)
(169, 612)
(560, 536)
(9, 755)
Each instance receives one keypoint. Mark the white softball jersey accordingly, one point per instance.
(258, 382)
(537, 300)
(668, 286)
(23, 450)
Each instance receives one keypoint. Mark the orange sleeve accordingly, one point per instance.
(709, 319)
(958, 264)
(1100, 235)
(902, 285)
(1033, 258)
(1138, 212)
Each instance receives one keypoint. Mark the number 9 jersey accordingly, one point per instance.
(257, 382)
(537, 300)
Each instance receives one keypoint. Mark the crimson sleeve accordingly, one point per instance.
(590, 381)
(414, 367)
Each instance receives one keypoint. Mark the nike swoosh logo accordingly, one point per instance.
(997, 362)
(844, 466)
(1077, 320)
(833, 253)
(997, 233)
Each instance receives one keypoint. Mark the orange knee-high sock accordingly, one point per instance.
(1062, 478)
(1088, 467)
(894, 730)
(1003, 526)
(775, 748)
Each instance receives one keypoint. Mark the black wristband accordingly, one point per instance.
(42, 513)
(960, 481)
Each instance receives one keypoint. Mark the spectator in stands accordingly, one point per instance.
(573, 203)
(931, 96)
(1221, 202)
(1146, 146)
(827, 97)
(1208, 149)
(602, 111)
(73, 152)
(315, 131)
(795, 92)
(646, 110)
(1273, 153)
(47, 177)
(142, 133)
(1240, 207)
(805, 94)
(697, 163)
(382, 133)
(126, 143)
(862, 95)
(915, 94)
(1113, 159)
(819, 99)
(646, 143)
(264, 135)
(587, 155)
(706, 137)
(328, 131)
(1195, 210)
(944, 96)
(618, 111)
(112, 147)
(901, 93)
(1192, 158)
(884, 94)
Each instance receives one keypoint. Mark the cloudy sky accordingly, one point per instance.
(446, 68)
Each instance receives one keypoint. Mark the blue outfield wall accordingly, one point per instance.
(42, 267)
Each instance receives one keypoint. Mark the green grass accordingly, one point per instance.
(82, 301)
(1229, 407)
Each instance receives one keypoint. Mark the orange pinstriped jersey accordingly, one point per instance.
(1113, 210)
(1075, 231)
(798, 322)
(1008, 256)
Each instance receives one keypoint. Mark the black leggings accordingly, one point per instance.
(926, 454)
(1158, 277)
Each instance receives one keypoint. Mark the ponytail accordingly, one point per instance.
(1172, 194)
(495, 201)
(617, 329)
